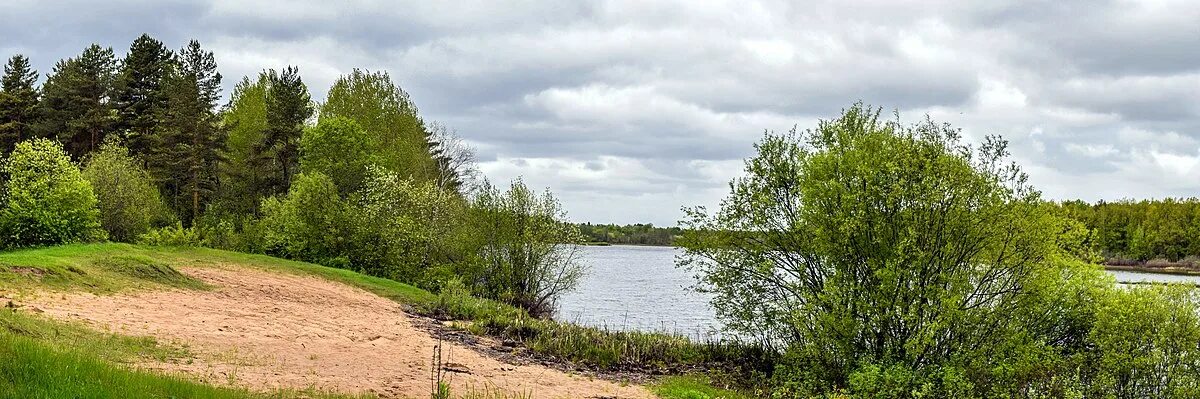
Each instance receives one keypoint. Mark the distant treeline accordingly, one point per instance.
(632, 234)
(1139, 231)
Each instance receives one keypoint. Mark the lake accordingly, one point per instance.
(639, 288)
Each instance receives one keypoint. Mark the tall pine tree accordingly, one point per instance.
(138, 96)
(288, 108)
(18, 102)
(192, 137)
(75, 107)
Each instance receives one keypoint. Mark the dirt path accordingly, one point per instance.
(266, 330)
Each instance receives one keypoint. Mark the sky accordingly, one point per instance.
(630, 110)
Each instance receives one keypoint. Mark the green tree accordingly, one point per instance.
(528, 253)
(868, 242)
(129, 201)
(45, 200)
(139, 99)
(385, 111)
(288, 107)
(339, 148)
(18, 102)
(244, 176)
(75, 107)
(191, 133)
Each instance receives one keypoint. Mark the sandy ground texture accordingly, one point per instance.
(267, 330)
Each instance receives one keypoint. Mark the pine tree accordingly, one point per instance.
(288, 107)
(192, 137)
(139, 99)
(75, 107)
(18, 102)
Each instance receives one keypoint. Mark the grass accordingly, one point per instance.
(693, 387)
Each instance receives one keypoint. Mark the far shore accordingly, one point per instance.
(1176, 270)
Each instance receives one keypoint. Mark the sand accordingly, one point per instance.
(266, 330)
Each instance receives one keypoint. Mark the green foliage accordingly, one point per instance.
(528, 253)
(139, 97)
(129, 202)
(191, 137)
(172, 236)
(310, 223)
(385, 111)
(405, 228)
(45, 200)
(75, 109)
(894, 261)
(288, 107)
(18, 102)
(1138, 231)
(242, 177)
(339, 148)
(693, 387)
(1146, 344)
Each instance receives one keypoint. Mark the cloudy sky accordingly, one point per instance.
(629, 110)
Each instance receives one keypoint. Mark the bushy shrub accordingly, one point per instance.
(405, 228)
(129, 202)
(310, 223)
(172, 236)
(46, 201)
(528, 254)
(1146, 344)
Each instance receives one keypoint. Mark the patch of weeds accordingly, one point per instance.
(693, 387)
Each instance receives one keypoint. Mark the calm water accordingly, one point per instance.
(639, 288)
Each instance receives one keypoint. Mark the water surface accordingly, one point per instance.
(639, 288)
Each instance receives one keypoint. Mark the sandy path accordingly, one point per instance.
(272, 330)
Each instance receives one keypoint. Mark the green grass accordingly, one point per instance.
(693, 387)
(77, 337)
(100, 269)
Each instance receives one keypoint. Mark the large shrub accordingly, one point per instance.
(129, 202)
(45, 199)
(406, 229)
(884, 256)
(528, 253)
(1146, 344)
(310, 223)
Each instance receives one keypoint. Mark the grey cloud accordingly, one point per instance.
(625, 107)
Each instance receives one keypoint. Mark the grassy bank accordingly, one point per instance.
(110, 268)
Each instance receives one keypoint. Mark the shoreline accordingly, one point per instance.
(1178, 271)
